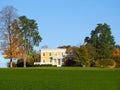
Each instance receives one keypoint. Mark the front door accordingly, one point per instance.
(58, 61)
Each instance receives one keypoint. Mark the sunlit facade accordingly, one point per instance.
(53, 56)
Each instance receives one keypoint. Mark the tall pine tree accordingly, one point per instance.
(102, 40)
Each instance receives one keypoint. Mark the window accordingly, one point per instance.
(55, 60)
(58, 61)
(43, 60)
(50, 54)
(55, 53)
(62, 53)
(50, 61)
(62, 60)
(43, 53)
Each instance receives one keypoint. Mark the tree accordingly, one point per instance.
(116, 56)
(7, 16)
(68, 48)
(31, 37)
(91, 51)
(82, 56)
(33, 57)
(16, 40)
(102, 40)
(117, 46)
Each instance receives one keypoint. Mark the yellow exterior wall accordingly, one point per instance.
(47, 54)
(46, 57)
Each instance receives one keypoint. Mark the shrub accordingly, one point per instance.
(109, 63)
(43, 65)
(20, 63)
(13, 64)
(69, 62)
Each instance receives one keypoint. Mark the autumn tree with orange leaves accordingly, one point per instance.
(116, 55)
(8, 33)
(16, 41)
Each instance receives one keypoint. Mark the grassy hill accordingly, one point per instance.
(63, 78)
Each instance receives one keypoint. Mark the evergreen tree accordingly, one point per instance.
(30, 33)
(102, 40)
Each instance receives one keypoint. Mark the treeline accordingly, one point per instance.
(98, 50)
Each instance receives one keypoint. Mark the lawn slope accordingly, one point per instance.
(59, 79)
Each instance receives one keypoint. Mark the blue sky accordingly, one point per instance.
(67, 22)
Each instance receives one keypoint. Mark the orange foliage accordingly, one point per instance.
(14, 49)
(116, 52)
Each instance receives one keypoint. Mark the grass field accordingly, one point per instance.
(64, 78)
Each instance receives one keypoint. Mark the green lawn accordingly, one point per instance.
(64, 78)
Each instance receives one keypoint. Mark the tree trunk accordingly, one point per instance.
(11, 63)
(25, 63)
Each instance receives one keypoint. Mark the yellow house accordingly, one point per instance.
(52, 56)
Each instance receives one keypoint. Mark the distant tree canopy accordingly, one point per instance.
(102, 41)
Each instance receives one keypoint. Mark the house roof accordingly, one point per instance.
(53, 49)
